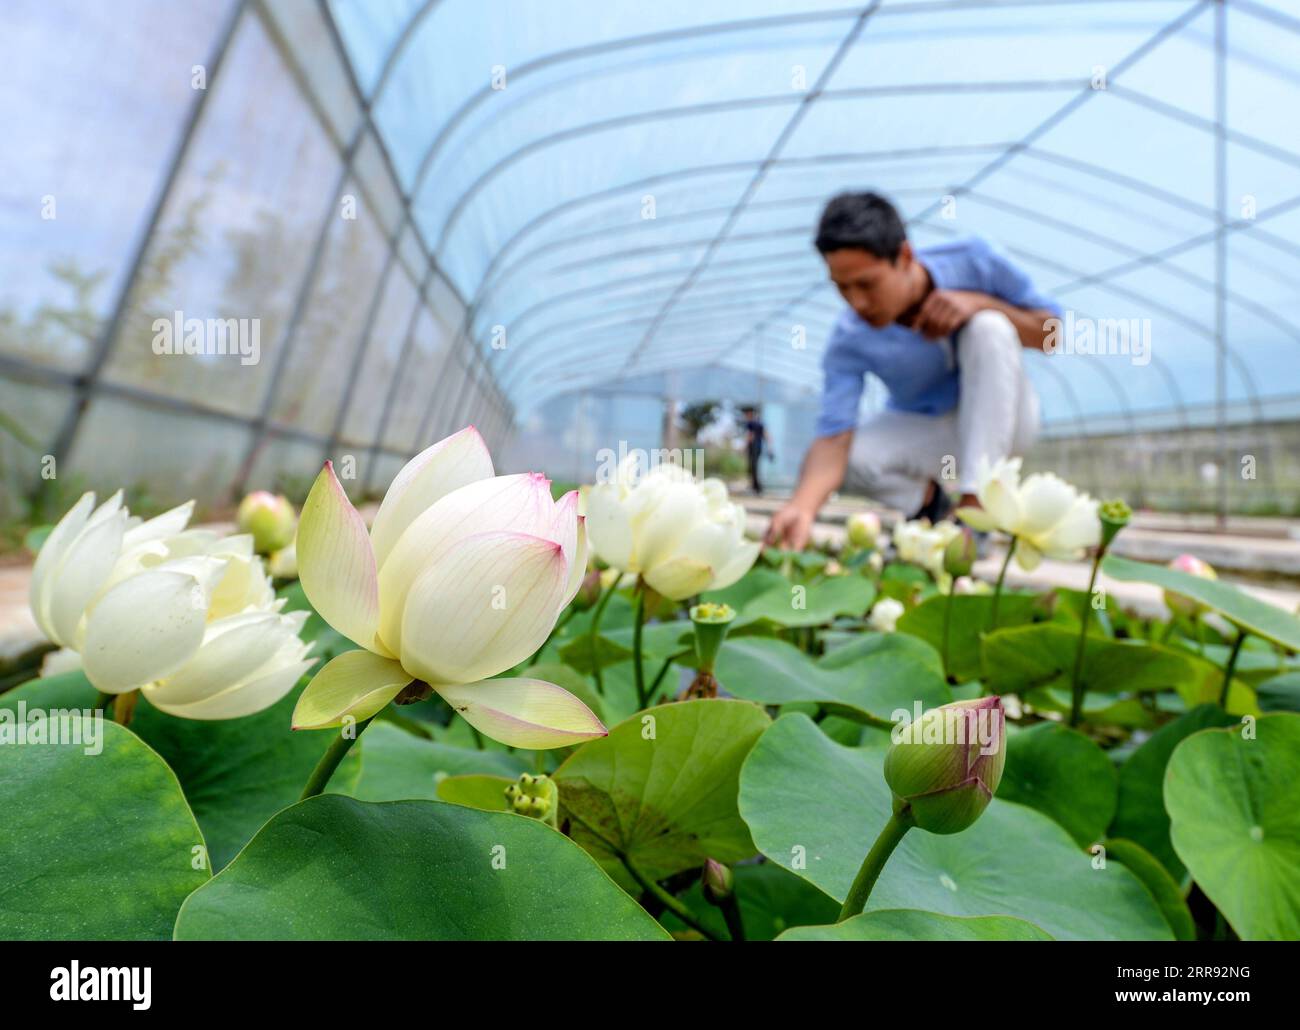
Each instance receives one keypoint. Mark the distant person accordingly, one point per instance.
(942, 327)
(755, 439)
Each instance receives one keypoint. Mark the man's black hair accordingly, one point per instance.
(861, 221)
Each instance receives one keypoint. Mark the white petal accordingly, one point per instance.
(483, 608)
(571, 534)
(145, 628)
(252, 696)
(999, 494)
(520, 503)
(1079, 528)
(336, 565)
(608, 527)
(977, 518)
(1027, 555)
(523, 713)
(356, 684)
(50, 557)
(234, 650)
(678, 508)
(1044, 501)
(680, 578)
(169, 523)
(741, 561)
(87, 563)
(449, 464)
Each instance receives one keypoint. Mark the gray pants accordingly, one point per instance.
(896, 453)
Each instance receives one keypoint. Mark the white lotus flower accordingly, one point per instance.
(462, 576)
(1047, 516)
(885, 614)
(187, 616)
(681, 535)
(919, 543)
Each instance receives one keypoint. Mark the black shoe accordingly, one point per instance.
(938, 508)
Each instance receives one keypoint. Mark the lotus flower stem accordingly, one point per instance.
(667, 900)
(947, 623)
(334, 754)
(411, 726)
(638, 665)
(1231, 666)
(124, 707)
(889, 839)
(997, 589)
(659, 676)
(1076, 687)
(595, 632)
(731, 913)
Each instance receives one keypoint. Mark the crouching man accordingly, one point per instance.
(943, 328)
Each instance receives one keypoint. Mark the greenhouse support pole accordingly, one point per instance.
(362, 349)
(390, 395)
(88, 380)
(1221, 257)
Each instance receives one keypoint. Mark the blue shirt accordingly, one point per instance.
(920, 374)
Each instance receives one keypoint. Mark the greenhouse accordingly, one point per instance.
(764, 470)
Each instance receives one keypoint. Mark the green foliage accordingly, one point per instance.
(1159, 815)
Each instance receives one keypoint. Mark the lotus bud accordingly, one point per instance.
(269, 518)
(864, 529)
(885, 614)
(1180, 604)
(589, 592)
(1114, 516)
(959, 555)
(718, 882)
(945, 767)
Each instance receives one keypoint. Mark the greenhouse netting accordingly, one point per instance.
(750, 470)
(548, 218)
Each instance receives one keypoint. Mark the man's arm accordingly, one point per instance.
(823, 471)
(946, 311)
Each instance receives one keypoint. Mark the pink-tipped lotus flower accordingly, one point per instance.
(462, 575)
(946, 766)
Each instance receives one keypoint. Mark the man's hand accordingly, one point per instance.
(790, 527)
(945, 311)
